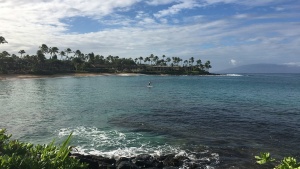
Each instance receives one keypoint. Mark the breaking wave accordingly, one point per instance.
(116, 144)
(233, 75)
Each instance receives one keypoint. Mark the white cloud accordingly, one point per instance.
(210, 2)
(163, 20)
(160, 2)
(50, 12)
(245, 2)
(241, 16)
(293, 64)
(140, 15)
(279, 8)
(233, 62)
(183, 4)
(37, 21)
(147, 21)
(259, 2)
(28, 24)
(179, 41)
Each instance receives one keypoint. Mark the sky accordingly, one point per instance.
(229, 33)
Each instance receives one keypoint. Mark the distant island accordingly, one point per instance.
(77, 62)
(263, 68)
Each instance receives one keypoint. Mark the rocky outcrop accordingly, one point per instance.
(139, 162)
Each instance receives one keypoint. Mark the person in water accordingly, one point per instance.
(149, 84)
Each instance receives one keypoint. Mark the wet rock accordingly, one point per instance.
(171, 168)
(204, 161)
(106, 163)
(163, 157)
(122, 159)
(105, 160)
(95, 162)
(127, 165)
(143, 157)
(143, 161)
(103, 165)
(170, 160)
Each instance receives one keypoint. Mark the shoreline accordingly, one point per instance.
(33, 76)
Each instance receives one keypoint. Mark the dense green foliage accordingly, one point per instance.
(46, 61)
(286, 163)
(18, 155)
(264, 158)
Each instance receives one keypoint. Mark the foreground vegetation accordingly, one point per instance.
(286, 163)
(18, 155)
(47, 61)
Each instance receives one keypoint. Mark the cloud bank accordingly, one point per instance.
(216, 30)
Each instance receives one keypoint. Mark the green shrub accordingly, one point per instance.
(18, 155)
(264, 158)
(286, 163)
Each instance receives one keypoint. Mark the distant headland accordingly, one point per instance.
(263, 68)
(46, 61)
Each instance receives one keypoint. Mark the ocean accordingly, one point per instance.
(226, 119)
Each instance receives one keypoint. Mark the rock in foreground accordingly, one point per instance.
(139, 162)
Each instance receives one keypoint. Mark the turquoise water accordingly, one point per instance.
(226, 119)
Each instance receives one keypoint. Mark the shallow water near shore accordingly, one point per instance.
(225, 119)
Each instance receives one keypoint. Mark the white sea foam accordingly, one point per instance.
(116, 144)
(129, 74)
(233, 75)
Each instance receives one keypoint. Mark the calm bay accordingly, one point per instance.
(226, 119)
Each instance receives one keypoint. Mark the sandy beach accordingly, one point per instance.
(30, 76)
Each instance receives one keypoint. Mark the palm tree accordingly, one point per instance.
(3, 64)
(202, 67)
(151, 57)
(117, 57)
(83, 56)
(192, 61)
(91, 57)
(77, 53)
(179, 60)
(68, 51)
(5, 54)
(40, 56)
(199, 63)
(207, 65)
(44, 49)
(147, 59)
(155, 59)
(163, 60)
(109, 58)
(176, 60)
(101, 57)
(22, 52)
(185, 62)
(140, 58)
(168, 59)
(62, 54)
(53, 51)
(2, 40)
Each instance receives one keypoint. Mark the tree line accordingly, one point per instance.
(69, 61)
